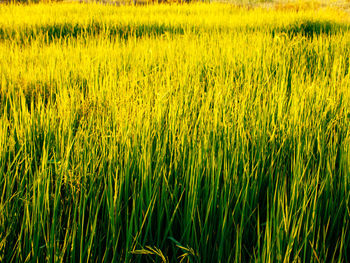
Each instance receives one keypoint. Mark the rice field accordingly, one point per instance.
(174, 133)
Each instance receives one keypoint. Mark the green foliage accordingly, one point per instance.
(179, 133)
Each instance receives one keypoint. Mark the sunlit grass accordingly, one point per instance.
(208, 133)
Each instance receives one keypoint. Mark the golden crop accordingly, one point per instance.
(200, 132)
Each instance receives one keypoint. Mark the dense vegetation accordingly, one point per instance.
(203, 133)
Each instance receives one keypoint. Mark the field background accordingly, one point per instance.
(193, 133)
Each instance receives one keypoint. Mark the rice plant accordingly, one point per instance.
(174, 133)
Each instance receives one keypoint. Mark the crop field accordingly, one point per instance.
(174, 133)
